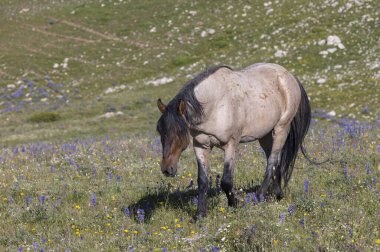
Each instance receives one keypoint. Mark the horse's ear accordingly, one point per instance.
(182, 107)
(161, 106)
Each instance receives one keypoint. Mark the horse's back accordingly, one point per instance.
(246, 103)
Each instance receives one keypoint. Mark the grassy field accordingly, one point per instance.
(79, 156)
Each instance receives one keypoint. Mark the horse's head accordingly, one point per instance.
(174, 134)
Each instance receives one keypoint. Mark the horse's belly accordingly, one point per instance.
(259, 122)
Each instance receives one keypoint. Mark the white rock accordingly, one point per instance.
(56, 65)
(193, 13)
(335, 41)
(110, 90)
(210, 31)
(161, 81)
(321, 80)
(11, 86)
(322, 42)
(331, 113)
(332, 50)
(24, 10)
(280, 54)
(154, 29)
(203, 34)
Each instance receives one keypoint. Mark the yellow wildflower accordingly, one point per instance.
(192, 232)
(378, 241)
(77, 207)
(221, 209)
(126, 231)
(108, 224)
(136, 232)
(178, 225)
(275, 242)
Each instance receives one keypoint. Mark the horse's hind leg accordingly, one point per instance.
(272, 144)
(227, 179)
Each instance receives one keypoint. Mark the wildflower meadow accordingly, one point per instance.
(80, 156)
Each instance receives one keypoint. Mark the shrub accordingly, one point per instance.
(44, 117)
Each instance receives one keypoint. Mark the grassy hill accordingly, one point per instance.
(79, 156)
(65, 55)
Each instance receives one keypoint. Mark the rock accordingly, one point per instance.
(335, 41)
(332, 113)
(280, 54)
(161, 81)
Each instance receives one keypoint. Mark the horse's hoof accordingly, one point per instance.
(279, 196)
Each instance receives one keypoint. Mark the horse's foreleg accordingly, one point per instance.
(227, 179)
(273, 154)
(203, 156)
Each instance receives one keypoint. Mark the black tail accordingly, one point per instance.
(294, 142)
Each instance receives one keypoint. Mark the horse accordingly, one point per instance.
(222, 107)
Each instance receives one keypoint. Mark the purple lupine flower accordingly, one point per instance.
(109, 175)
(118, 178)
(302, 222)
(306, 185)
(93, 199)
(345, 170)
(19, 248)
(18, 93)
(291, 209)
(214, 249)
(140, 215)
(367, 168)
(254, 198)
(52, 169)
(44, 241)
(127, 212)
(42, 200)
(314, 234)
(27, 200)
(164, 249)
(254, 229)
(11, 200)
(350, 233)
(247, 199)
(282, 217)
(131, 248)
(35, 245)
(374, 182)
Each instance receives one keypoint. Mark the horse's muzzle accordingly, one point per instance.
(170, 171)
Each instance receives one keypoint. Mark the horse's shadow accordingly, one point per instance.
(183, 199)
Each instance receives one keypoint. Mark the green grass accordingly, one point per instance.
(53, 129)
(112, 45)
(73, 196)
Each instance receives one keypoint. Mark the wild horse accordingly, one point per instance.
(221, 107)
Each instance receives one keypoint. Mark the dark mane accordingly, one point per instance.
(194, 111)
